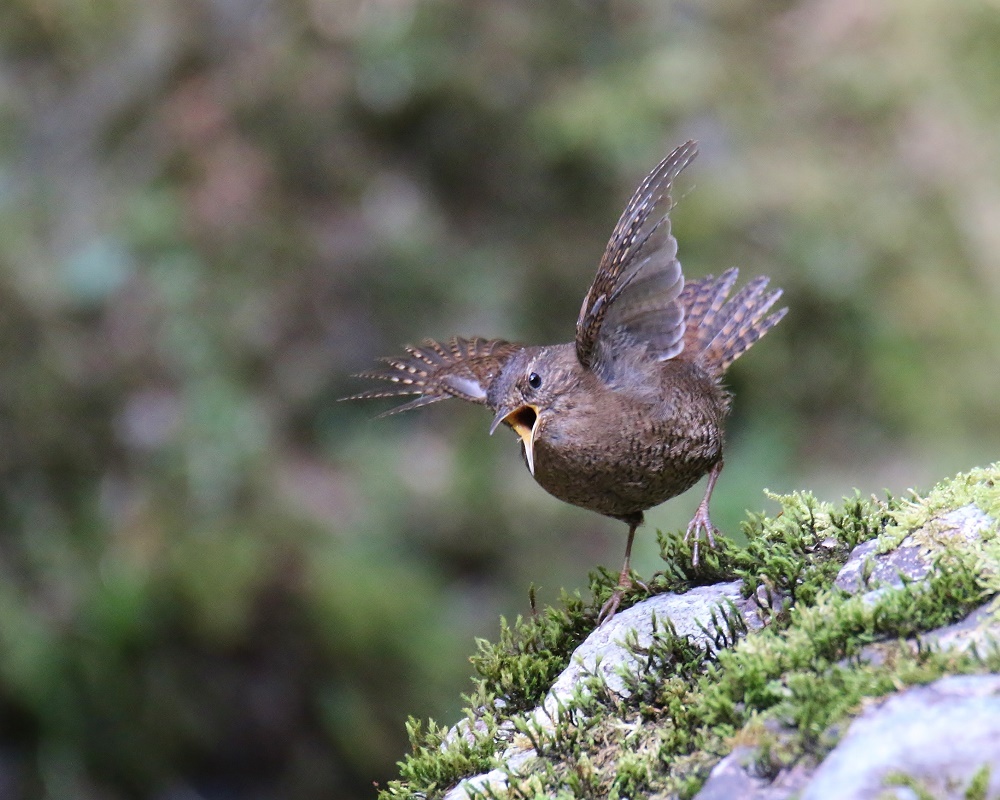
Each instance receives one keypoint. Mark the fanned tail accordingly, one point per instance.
(721, 329)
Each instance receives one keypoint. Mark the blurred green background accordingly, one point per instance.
(218, 582)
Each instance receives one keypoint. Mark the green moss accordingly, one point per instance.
(979, 786)
(439, 758)
(799, 552)
(521, 665)
(787, 689)
(979, 487)
(917, 787)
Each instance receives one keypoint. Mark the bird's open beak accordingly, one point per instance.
(524, 421)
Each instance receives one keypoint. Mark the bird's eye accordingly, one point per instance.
(535, 380)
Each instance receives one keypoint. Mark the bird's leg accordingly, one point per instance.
(625, 581)
(701, 521)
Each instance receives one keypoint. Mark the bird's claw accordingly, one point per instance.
(700, 522)
(610, 607)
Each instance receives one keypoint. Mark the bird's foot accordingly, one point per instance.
(700, 522)
(610, 607)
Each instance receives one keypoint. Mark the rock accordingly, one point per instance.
(980, 631)
(903, 733)
(912, 558)
(735, 777)
(940, 740)
(938, 736)
(495, 779)
(604, 652)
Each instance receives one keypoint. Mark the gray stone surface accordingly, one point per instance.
(980, 631)
(941, 735)
(911, 560)
(495, 779)
(604, 652)
(734, 778)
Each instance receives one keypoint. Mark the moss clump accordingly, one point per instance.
(439, 757)
(979, 487)
(519, 668)
(799, 551)
(512, 675)
(785, 689)
(691, 706)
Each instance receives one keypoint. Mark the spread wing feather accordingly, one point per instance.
(462, 368)
(639, 279)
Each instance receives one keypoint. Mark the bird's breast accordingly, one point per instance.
(618, 456)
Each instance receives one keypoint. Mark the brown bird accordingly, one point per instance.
(632, 412)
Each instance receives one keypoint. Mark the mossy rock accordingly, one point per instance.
(743, 676)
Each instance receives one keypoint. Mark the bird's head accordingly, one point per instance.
(529, 389)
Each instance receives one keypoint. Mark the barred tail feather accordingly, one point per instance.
(702, 300)
(720, 330)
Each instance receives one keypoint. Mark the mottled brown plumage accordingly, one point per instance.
(632, 412)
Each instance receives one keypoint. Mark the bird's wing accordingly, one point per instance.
(462, 368)
(639, 279)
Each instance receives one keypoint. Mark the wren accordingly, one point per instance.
(632, 412)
